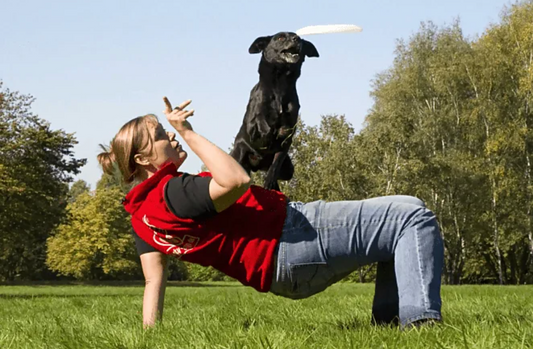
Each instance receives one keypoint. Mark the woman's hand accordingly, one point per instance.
(177, 117)
(230, 180)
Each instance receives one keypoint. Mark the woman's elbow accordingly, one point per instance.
(240, 187)
(243, 185)
(245, 182)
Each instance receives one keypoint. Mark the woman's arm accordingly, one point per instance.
(230, 180)
(155, 270)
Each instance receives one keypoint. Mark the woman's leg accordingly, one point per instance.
(385, 307)
(323, 242)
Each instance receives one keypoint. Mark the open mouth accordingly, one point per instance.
(291, 55)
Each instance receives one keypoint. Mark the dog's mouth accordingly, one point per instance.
(291, 54)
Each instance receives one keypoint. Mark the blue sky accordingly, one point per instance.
(94, 65)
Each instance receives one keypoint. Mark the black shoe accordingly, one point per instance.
(385, 315)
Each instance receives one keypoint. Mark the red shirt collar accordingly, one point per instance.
(136, 196)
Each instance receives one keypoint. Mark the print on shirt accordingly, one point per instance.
(174, 244)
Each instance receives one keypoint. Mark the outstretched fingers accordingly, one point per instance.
(180, 108)
(168, 106)
(179, 115)
(183, 105)
(187, 113)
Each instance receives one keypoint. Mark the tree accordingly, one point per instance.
(451, 124)
(95, 241)
(113, 180)
(503, 85)
(326, 165)
(419, 138)
(36, 165)
(79, 187)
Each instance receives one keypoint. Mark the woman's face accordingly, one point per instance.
(165, 147)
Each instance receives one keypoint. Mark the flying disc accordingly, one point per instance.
(329, 29)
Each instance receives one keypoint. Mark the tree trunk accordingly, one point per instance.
(528, 190)
(529, 203)
(496, 233)
(530, 236)
(513, 266)
(524, 267)
(461, 251)
(496, 237)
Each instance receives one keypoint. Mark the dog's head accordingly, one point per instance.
(283, 48)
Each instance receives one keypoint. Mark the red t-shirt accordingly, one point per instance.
(239, 241)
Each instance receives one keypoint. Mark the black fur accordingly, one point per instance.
(265, 137)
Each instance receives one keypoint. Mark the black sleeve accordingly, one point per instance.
(188, 197)
(142, 246)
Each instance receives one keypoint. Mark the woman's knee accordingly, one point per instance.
(427, 223)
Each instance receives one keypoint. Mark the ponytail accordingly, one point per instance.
(107, 159)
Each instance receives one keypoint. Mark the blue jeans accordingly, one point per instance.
(324, 242)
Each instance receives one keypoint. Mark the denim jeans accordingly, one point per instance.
(323, 242)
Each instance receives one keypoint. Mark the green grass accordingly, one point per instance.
(226, 315)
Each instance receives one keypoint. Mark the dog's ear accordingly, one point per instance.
(259, 44)
(309, 49)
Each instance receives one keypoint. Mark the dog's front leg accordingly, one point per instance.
(239, 153)
(271, 180)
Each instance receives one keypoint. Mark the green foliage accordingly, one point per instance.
(177, 270)
(451, 124)
(113, 180)
(197, 272)
(325, 163)
(79, 187)
(95, 241)
(36, 165)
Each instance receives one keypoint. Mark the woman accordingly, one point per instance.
(256, 236)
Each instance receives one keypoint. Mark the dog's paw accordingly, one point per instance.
(271, 184)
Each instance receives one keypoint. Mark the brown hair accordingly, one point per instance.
(133, 138)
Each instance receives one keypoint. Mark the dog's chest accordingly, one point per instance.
(275, 139)
(284, 132)
(288, 108)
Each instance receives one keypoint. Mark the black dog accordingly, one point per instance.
(265, 137)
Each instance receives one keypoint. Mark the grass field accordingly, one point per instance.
(226, 315)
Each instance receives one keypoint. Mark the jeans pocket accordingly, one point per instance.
(308, 279)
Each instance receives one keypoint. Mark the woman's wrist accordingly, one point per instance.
(186, 134)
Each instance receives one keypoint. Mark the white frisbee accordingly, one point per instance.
(329, 29)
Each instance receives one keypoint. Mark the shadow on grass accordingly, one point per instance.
(132, 283)
(110, 284)
(32, 296)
